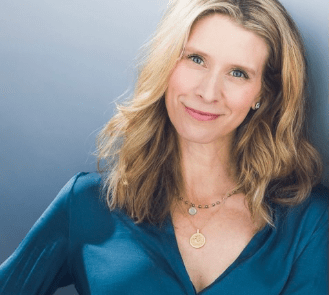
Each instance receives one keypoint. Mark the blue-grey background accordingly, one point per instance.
(62, 64)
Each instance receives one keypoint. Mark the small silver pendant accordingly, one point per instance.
(192, 211)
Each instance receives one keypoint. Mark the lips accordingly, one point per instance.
(201, 116)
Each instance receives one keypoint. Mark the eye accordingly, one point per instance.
(239, 74)
(196, 59)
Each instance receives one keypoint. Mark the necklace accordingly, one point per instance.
(198, 240)
(193, 207)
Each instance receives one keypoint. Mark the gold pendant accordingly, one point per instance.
(197, 240)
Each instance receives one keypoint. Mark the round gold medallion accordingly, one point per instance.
(197, 240)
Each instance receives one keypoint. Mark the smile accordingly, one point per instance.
(201, 116)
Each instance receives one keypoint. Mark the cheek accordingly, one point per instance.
(171, 102)
(182, 79)
(243, 98)
(178, 90)
(177, 87)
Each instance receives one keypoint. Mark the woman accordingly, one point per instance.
(207, 172)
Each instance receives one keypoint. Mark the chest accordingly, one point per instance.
(125, 258)
(225, 239)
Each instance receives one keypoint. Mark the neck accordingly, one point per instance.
(207, 171)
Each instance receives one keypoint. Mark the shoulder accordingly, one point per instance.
(296, 226)
(86, 189)
(315, 207)
(318, 205)
(90, 217)
(309, 215)
(319, 196)
(85, 181)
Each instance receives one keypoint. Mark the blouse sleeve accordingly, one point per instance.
(40, 263)
(309, 274)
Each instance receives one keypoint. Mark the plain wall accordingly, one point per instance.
(62, 64)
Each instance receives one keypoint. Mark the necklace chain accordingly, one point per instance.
(193, 207)
(198, 240)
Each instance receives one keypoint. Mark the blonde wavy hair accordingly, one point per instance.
(138, 152)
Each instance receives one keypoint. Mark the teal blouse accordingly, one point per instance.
(77, 240)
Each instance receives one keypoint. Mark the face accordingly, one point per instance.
(216, 82)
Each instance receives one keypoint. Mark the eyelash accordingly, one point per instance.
(192, 56)
(245, 76)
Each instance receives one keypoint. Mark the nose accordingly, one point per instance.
(211, 87)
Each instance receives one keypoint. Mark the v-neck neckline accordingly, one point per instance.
(179, 266)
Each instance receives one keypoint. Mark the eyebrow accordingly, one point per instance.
(239, 66)
(192, 49)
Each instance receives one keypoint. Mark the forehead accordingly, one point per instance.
(221, 37)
